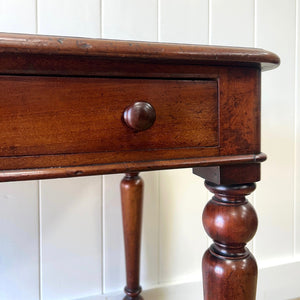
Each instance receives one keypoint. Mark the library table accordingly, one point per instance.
(77, 106)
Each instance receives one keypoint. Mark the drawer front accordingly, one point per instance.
(63, 115)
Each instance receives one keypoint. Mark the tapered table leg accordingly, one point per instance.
(229, 269)
(132, 204)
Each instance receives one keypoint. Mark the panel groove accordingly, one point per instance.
(158, 227)
(40, 238)
(255, 24)
(101, 18)
(36, 17)
(158, 20)
(102, 234)
(209, 22)
(296, 134)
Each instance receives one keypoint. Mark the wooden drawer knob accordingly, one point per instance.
(139, 116)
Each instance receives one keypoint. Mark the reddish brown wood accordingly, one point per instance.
(135, 298)
(239, 112)
(132, 205)
(78, 121)
(230, 174)
(76, 115)
(129, 50)
(229, 269)
(66, 126)
(158, 164)
(139, 116)
(62, 102)
(46, 116)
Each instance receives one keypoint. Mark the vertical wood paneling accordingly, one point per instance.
(182, 238)
(276, 32)
(18, 16)
(19, 211)
(181, 22)
(71, 237)
(19, 250)
(113, 248)
(114, 261)
(232, 22)
(149, 252)
(297, 115)
(69, 17)
(130, 20)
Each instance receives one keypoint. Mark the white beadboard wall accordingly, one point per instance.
(62, 239)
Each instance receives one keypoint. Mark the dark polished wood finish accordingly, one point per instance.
(229, 269)
(65, 121)
(90, 54)
(139, 116)
(75, 106)
(132, 205)
(230, 174)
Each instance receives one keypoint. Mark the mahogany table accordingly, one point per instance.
(76, 107)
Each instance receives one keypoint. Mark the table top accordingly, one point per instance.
(132, 50)
(78, 106)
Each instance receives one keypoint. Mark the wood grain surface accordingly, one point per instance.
(44, 115)
(55, 45)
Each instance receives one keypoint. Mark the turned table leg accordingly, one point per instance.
(229, 269)
(132, 204)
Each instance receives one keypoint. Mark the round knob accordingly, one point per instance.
(139, 116)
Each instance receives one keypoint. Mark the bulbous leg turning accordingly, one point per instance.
(229, 269)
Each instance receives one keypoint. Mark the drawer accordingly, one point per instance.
(67, 115)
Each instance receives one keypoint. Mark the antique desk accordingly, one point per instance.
(76, 107)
